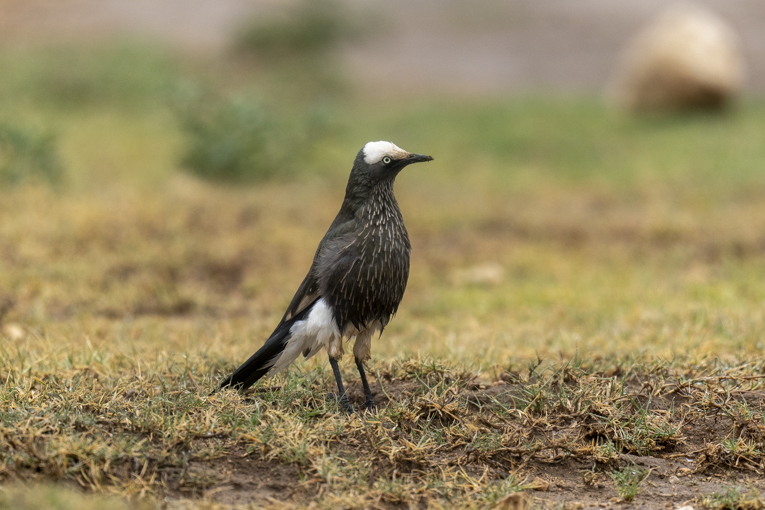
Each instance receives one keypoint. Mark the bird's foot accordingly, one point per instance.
(369, 405)
(344, 403)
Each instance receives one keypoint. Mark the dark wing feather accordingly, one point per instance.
(309, 290)
(305, 295)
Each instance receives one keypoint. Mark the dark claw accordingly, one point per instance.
(344, 403)
(369, 405)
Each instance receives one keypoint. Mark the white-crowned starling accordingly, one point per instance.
(356, 281)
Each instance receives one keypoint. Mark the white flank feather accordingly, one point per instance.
(311, 334)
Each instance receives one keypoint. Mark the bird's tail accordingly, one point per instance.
(262, 361)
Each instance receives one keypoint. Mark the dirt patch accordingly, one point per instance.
(663, 488)
(237, 479)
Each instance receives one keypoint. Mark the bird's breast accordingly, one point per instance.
(368, 275)
(384, 253)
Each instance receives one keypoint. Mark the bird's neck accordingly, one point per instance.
(382, 192)
(371, 201)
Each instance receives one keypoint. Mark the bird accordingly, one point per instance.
(356, 280)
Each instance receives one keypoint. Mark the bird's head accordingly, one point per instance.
(377, 163)
(382, 161)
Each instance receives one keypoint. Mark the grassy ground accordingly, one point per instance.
(584, 317)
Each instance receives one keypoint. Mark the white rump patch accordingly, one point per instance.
(375, 151)
(310, 335)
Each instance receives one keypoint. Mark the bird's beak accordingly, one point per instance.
(416, 158)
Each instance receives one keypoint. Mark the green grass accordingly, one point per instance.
(628, 480)
(625, 254)
(734, 498)
(123, 75)
(27, 156)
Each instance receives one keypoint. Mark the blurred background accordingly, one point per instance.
(439, 46)
(167, 169)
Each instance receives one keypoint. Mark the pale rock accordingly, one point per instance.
(539, 484)
(689, 58)
(515, 501)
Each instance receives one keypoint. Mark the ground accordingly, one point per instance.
(582, 327)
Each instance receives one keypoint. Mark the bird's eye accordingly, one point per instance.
(386, 160)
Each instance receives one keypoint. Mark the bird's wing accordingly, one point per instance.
(309, 290)
(305, 295)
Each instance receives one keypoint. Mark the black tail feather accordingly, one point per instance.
(260, 363)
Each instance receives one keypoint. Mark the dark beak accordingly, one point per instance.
(416, 158)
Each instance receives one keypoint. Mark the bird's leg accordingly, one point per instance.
(341, 396)
(369, 403)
